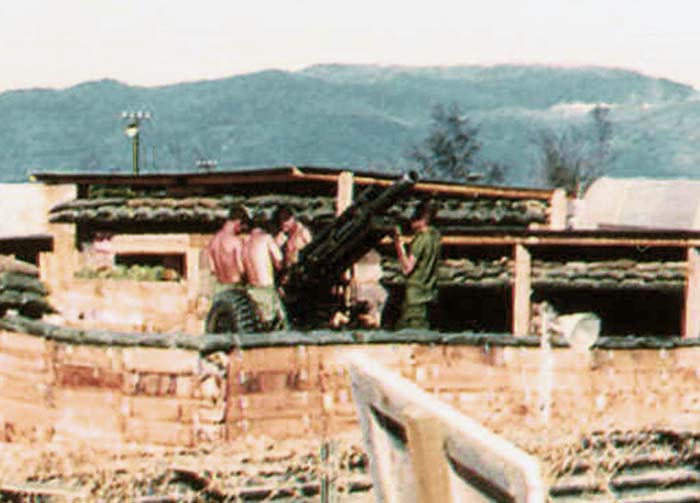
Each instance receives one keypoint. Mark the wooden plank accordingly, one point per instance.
(281, 428)
(158, 432)
(425, 438)
(343, 200)
(13, 365)
(21, 419)
(153, 408)
(345, 192)
(271, 405)
(438, 188)
(522, 290)
(23, 342)
(564, 240)
(38, 492)
(691, 315)
(558, 210)
(29, 391)
(482, 466)
(233, 378)
(82, 355)
(150, 243)
(165, 361)
(73, 375)
(192, 274)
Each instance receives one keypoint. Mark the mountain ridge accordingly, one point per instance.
(346, 116)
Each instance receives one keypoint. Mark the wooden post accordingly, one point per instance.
(557, 210)
(522, 290)
(346, 184)
(426, 441)
(344, 195)
(691, 321)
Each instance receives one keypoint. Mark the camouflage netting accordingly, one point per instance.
(21, 289)
(606, 466)
(256, 469)
(634, 466)
(600, 274)
(452, 213)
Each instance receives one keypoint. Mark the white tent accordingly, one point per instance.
(640, 203)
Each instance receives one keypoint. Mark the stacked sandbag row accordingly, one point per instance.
(611, 274)
(452, 213)
(186, 210)
(483, 212)
(21, 289)
(627, 274)
(464, 272)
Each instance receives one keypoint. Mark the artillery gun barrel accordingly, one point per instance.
(389, 196)
(372, 201)
(344, 241)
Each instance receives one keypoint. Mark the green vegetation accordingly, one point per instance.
(574, 157)
(452, 150)
(134, 273)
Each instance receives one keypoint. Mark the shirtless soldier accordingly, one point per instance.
(292, 235)
(261, 258)
(225, 250)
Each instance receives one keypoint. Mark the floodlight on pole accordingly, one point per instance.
(207, 165)
(133, 130)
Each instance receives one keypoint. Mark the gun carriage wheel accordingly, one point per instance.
(232, 312)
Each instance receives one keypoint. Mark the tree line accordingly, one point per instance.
(571, 158)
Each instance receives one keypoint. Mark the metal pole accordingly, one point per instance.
(325, 480)
(136, 153)
(133, 131)
(328, 491)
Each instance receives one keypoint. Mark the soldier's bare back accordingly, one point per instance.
(226, 256)
(261, 257)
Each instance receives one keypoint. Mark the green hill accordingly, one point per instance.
(344, 116)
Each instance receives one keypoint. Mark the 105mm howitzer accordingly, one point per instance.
(308, 285)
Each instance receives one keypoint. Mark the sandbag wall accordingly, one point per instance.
(453, 213)
(602, 274)
(21, 290)
(183, 211)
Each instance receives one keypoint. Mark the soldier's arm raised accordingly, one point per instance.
(275, 254)
(407, 261)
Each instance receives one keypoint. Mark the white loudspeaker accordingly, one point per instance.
(581, 330)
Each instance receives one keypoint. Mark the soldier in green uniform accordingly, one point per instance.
(420, 265)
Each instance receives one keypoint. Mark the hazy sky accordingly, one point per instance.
(58, 43)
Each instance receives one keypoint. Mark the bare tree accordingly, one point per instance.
(575, 157)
